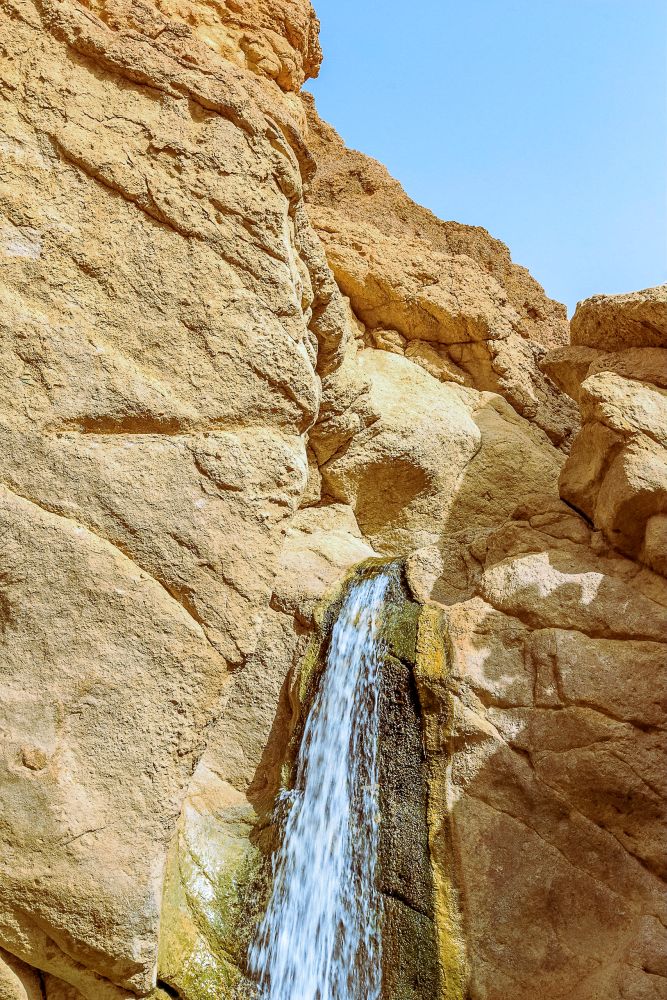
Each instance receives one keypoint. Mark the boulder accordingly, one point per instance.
(439, 459)
(616, 472)
(618, 322)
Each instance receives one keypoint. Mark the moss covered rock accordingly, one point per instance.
(218, 876)
(215, 888)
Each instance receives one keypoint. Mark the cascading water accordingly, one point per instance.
(320, 938)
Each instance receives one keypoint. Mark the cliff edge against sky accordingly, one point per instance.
(236, 361)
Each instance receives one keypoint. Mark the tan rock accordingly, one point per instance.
(397, 284)
(616, 472)
(633, 491)
(624, 405)
(440, 458)
(437, 282)
(358, 329)
(618, 676)
(165, 306)
(254, 36)
(548, 589)
(556, 791)
(515, 374)
(515, 460)
(592, 452)
(389, 340)
(17, 980)
(346, 407)
(441, 574)
(102, 705)
(436, 362)
(360, 189)
(56, 989)
(114, 391)
(644, 364)
(313, 491)
(621, 488)
(568, 366)
(394, 473)
(655, 543)
(449, 303)
(616, 322)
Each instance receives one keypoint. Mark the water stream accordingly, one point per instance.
(320, 938)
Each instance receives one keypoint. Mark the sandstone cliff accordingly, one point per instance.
(236, 362)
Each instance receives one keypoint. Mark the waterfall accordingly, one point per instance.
(320, 938)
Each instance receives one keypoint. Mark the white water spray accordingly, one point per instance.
(321, 936)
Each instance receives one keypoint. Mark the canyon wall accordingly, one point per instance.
(237, 361)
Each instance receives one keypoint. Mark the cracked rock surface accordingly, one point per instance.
(236, 361)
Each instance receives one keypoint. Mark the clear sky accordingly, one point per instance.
(545, 121)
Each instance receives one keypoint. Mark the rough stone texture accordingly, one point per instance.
(441, 282)
(217, 395)
(616, 473)
(616, 322)
(555, 785)
(276, 41)
(17, 980)
(440, 458)
(569, 366)
(361, 190)
(96, 751)
(164, 307)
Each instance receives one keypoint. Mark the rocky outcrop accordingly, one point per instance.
(410, 274)
(616, 474)
(164, 302)
(554, 784)
(236, 362)
(275, 41)
(619, 322)
(360, 190)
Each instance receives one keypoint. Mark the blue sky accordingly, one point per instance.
(545, 121)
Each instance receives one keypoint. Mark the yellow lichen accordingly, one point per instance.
(431, 672)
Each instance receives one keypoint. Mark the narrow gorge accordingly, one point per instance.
(333, 597)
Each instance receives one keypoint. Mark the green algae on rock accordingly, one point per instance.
(218, 874)
(215, 882)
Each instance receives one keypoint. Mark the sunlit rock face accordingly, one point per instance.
(236, 362)
(555, 790)
(162, 294)
(441, 285)
(616, 474)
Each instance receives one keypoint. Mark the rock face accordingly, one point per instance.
(555, 790)
(158, 375)
(407, 272)
(616, 474)
(236, 362)
(618, 322)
